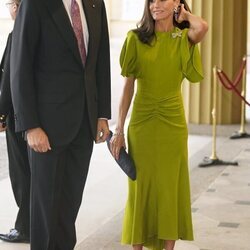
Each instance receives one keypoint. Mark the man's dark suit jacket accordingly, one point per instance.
(50, 87)
(5, 96)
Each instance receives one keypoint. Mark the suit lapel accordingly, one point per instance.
(90, 11)
(61, 19)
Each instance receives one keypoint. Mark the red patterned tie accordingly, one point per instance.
(77, 27)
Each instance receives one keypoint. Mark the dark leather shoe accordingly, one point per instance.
(14, 236)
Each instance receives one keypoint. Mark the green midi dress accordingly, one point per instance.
(158, 206)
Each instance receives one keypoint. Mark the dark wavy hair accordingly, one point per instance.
(146, 26)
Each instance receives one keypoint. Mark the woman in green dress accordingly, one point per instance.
(159, 54)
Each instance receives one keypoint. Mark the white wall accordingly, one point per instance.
(124, 16)
(6, 25)
(4, 13)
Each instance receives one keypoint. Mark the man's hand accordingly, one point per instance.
(2, 128)
(102, 130)
(38, 140)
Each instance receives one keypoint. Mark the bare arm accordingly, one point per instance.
(118, 139)
(127, 95)
(198, 26)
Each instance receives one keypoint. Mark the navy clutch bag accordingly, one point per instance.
(125, 162)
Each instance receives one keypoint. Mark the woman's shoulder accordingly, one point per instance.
(184, 32)
(132, 35)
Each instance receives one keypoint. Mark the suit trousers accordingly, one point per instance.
(19, 172)
(57, 181)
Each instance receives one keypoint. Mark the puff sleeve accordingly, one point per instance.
(191, 60)
(128, 56)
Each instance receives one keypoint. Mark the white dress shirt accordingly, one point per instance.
(67, 4)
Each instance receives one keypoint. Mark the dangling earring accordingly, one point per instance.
(177, 12)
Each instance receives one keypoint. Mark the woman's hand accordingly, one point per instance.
(183, 14)
(116, 143)
(198, 26)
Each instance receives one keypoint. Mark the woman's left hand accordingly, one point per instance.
(197, 26)
(183, 13)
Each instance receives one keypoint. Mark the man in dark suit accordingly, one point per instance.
(60, 85)
(19, 169)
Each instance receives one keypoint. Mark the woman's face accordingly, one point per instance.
(162, 9)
